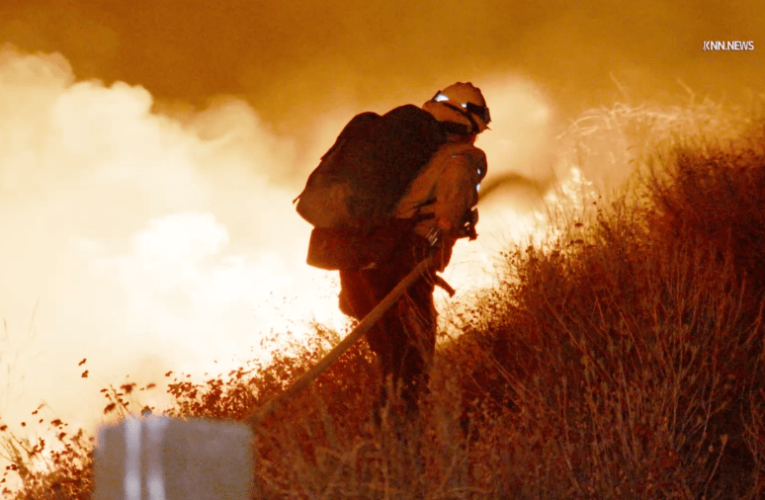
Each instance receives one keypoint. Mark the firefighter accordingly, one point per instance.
(437, 209)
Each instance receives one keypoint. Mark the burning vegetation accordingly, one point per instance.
(622, 358)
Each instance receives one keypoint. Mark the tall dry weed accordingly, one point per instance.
(629, 350)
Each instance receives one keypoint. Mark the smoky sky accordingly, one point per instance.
(294, 59)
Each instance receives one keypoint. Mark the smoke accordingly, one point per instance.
(294, 60)
(132, 236)
(147, 241)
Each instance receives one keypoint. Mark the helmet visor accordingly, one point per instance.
(481, 112)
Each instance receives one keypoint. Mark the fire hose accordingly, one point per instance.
(332, 356)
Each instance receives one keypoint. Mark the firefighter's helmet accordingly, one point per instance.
(462, 103)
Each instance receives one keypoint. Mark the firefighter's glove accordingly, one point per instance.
(468, 227)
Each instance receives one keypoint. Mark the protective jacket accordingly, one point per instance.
(444, 194)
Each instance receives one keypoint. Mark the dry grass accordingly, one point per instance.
(621, 360)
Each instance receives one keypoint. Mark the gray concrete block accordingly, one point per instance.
(158, 458)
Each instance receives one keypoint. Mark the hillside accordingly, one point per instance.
(620, 359)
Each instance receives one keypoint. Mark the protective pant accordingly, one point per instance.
(404, 339)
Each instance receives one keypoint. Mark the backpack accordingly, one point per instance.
(369, 168)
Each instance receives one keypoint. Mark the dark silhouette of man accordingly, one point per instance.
(437, 209)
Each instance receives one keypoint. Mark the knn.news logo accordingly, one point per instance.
(723, 46)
